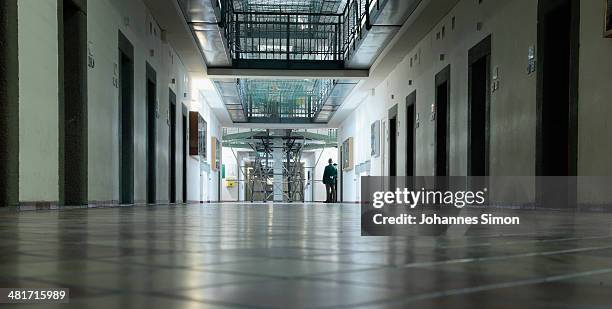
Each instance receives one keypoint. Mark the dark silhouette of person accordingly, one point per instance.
(329, 179)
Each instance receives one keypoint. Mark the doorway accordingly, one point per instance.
(9, 106)
(393, 141)
(340, 188)
(442, 120)
(219, 180)
(557, 102)
(151, 98)
(185, 152)
(172, 112)
(126, 120)
(410, 134)
(73, 102)
(557, 98)
(479, 98)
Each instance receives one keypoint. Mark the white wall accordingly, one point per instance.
(357, 126)
(202, 180)
(105, 19)
(231, 172)
(38, 101)
(594, 108)
(513, 26)
(38, 106)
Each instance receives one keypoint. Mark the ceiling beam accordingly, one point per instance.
(223, 73)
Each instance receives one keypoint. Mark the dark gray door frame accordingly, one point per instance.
(545, 6)
(557, 102)
(340, 176)
(172, 151)
(72, 77)
(9, 106)
(442, 77)
(126, 120)
(480, 51)
(411, 134)
(393, 132)
(151, 101)
(185, 152)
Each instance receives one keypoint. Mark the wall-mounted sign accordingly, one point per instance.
(531, 60)
(230, 182)
(495, 82)
(157, 111)
(433, 112)
(115, 75)
(375, 139)
(91, 62)
(347, 154)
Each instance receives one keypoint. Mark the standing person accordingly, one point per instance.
(329, 175)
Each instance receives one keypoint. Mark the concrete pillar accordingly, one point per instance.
(38, 102)
(279, 157)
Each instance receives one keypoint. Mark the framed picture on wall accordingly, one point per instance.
(197, 135)
(608, 19)
(347, 154)
(375, 139)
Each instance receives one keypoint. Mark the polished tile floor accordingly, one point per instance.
(301, 256)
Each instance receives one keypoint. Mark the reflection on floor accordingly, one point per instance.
(301, 255)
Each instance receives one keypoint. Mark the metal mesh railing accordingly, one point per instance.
(293, 30)
(284, 99)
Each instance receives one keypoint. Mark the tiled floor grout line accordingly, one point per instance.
(240, 256)
(219, 251)
(505, 257)
(481, 288)
(374, 266)
(527, 242)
